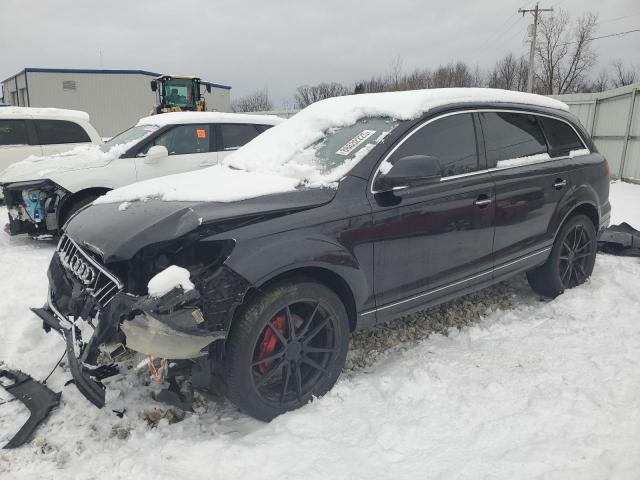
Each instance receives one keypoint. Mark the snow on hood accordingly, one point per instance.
(215, 184)
(284, 156)
(78, 158)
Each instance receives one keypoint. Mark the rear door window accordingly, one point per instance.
(452, 140)
(54, 132)
(235, 135)
(184, 140)
(561, 136)
(512, 139)
(13, 132)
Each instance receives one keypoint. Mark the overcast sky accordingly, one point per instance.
(251, 44)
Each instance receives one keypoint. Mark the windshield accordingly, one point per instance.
(179, 93)
(321, 158)
(130, 136)
(347, 145)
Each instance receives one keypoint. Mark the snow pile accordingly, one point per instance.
(288, 150)
(44, 112)
(168, 279)
(625, 203)
(172, 118)
(526, 389)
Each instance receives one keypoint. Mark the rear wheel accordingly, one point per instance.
(571, 261)
(287, 346)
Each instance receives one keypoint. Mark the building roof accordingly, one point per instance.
(100, 71)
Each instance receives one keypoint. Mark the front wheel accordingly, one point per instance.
(288, 345)
(571, 261)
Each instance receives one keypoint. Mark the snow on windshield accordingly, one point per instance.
(300, 151)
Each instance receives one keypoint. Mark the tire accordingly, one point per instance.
(267, 371)
(571, 261)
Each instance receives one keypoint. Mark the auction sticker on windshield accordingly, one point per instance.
(352, 144)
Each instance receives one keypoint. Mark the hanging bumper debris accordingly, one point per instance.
(35, 396)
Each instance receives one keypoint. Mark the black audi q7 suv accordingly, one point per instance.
(386, 204)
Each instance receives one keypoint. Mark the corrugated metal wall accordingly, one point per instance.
(613, 119)
(114, 101)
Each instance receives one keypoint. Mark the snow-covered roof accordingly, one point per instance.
(282, 144)
(44, 112)
(285, 155)
(208, 117)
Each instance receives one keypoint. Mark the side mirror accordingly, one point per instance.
(411, 171)
(208, 88)
(155, 154)
(154, 85)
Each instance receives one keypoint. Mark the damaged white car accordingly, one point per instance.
(42, 193)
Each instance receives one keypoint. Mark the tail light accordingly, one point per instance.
(607, 169)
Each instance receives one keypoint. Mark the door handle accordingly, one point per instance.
(206, 164)
(559, 183)
(482, 201)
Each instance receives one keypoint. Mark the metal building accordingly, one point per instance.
(613, 119)
(114, 99)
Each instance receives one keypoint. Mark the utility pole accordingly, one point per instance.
(532, 52)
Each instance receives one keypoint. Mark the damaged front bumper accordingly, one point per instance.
(170, 327)
(33, 207)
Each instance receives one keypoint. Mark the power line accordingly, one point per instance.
(499, 32)
(618, 34)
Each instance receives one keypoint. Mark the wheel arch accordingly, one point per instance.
(71, 199)
(329, 278)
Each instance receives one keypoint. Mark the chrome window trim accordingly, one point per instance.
(453, 284)
(487, 170)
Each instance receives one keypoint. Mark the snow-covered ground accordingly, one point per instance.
(525, 389)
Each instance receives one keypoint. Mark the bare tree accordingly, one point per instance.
(395, 73)
(623, 75)
(599, 84)
(509, 73)
(563, 53)
(257, 101)
(307, 94)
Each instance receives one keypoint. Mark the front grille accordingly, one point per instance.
(96, 280)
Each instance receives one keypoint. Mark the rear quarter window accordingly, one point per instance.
(13, 132)
(561, 136)
(235, 135)
(54, 132)
(512, 138)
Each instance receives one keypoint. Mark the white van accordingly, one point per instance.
(28, 131)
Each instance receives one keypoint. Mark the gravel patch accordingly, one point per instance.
(367, 346)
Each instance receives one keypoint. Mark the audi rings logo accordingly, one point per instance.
(80, 268)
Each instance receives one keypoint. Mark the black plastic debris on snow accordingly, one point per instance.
(35, 396)
(621, 240)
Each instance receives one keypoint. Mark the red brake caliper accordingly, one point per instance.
(269, 342)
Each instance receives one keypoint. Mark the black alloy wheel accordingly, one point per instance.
(288, 346)
(571, 260)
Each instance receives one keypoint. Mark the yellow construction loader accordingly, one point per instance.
(178, 94)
